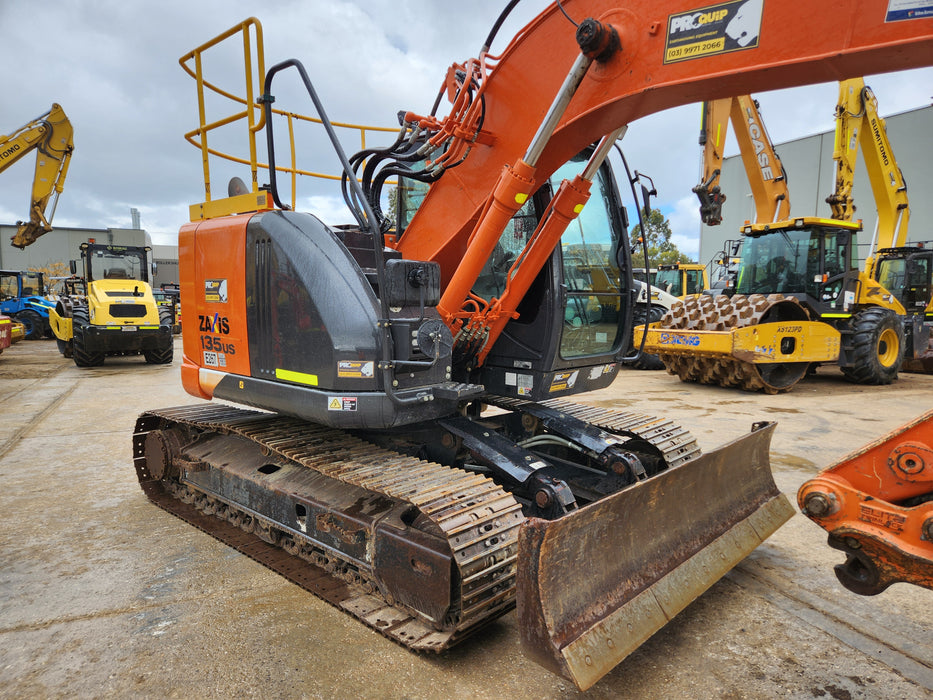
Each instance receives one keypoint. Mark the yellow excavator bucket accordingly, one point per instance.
(597, 583)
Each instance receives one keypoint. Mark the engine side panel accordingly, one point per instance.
(211, 258)
(312, 314)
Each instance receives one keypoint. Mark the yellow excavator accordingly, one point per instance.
(799, 296)
(51, 136)
(904, 271)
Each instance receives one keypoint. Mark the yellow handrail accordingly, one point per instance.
(249, 109)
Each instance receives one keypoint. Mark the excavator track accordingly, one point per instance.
(479, 520)
(724, 313)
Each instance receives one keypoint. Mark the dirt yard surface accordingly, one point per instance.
(104, 595)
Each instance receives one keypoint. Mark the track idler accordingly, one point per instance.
(722, 313)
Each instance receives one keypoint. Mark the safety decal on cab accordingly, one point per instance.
(523, 383)
(215, 290)
(355, 369)
(598, 371)
(716, 29)
(342, 403)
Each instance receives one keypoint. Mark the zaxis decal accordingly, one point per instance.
(214, 324)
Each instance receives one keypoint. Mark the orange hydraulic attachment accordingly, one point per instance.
(877, 505)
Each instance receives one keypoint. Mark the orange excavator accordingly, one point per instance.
(416, 462)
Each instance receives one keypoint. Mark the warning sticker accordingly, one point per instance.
(523, 383)
(215, 290)
(908, 9)
(355, 369)
(716, 29)
(342, 403)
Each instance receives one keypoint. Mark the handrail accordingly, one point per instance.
(248, 108)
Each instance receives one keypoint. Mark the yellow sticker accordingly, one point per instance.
(297, 377)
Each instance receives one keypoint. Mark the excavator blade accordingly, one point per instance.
(597, 583)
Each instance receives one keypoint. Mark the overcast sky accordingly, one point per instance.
(113, 66)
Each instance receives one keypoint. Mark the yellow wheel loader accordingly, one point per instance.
(114, 312)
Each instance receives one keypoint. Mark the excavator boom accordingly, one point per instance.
(763, 167)
(51, 136)
(659, 66)
(859, 124)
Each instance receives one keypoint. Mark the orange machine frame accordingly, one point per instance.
(864, 503)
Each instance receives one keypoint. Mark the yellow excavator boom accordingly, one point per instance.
(858, 123)
(51, 136)
(762, 164)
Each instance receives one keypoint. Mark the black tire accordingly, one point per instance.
(160, 356)
(65, 348)
(81, 355)
(876, 347)
(166, 317)
(647, 361)
(35, 328)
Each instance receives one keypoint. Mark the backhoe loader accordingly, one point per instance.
(416, 462)
(50, 135)
(800, 297)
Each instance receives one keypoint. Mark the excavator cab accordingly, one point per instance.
(908, 273)
(574, 324)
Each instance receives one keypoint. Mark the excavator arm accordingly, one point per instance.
(51, 136)
(713, 130)
(858, 124)
(634, 61)
(763, 166)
